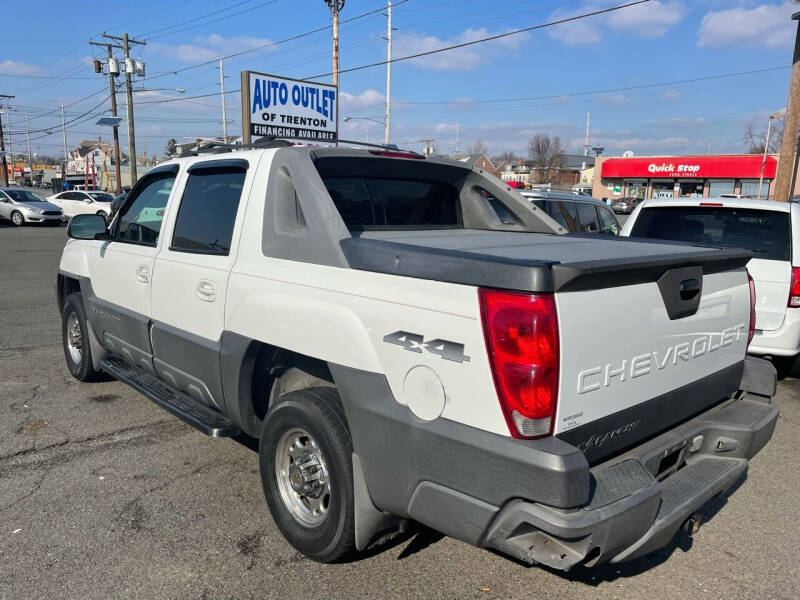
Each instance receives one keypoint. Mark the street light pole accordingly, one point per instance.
(764, 158)
(388, 72)
(30, 156)
(783, 179)
(3, 144)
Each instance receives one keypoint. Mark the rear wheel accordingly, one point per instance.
(75, 339)
(305, 458)
(17, 218)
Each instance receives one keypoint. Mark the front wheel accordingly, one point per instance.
(75, 338)
(305, 459)
(17, 218)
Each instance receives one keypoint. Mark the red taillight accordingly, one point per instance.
(794, 289)
(521, 332)
(752, 329)
(711, 204)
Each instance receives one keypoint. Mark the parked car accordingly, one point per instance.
(577, 213)
(117, 202)
(403, 351)
(770, 230)
(625, 206)
(82, 203)
(22, 206)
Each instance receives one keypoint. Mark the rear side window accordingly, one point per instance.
(564, 213)
(207, 213)
(766, 233)
(374, 202)
(587, 218)
(608, 224)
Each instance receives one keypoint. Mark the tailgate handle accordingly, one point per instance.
(689, 288)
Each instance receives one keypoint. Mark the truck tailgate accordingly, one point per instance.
(629, 371)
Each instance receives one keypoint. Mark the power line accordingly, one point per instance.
(222, 18)
(488, 39)
(192, 20)
(283, 41)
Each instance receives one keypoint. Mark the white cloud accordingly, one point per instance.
(461, 59)
(616, 99)
(14, 67)
(765, 25)
(671, 94)
(355, 102)
(649, 20)
(207, 48)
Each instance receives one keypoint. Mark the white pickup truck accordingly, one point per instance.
(409, 338)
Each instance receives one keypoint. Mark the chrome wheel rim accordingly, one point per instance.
(16, 218)
(302, 476)
(74, 338)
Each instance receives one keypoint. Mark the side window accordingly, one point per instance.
(142, 213)
(587, 217)
(563, 213)
(608, 224)
(67, 196)
(208, 209)
(506, 216)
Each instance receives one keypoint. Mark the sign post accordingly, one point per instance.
(288, 108)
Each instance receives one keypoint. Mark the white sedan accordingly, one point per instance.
(83, 203)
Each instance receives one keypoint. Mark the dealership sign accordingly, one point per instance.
(288, 108)
(685, 167)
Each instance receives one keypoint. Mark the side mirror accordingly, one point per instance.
(88, 227)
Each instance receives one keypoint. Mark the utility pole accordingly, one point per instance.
(586, 142)
(458, 138)
(783, 178)
(335, 6)
(129, 69)
(388, 72)
(64, 131)
(3, 143)
(113, 71)
(222, 95)
(30, 156)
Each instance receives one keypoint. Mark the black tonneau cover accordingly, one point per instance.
(529, 262)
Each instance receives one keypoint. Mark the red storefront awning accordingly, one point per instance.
(746, 166)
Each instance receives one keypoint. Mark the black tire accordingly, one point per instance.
(17, 219)
(316, 411)
(82, 368)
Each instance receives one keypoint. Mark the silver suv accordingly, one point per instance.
(577, 213)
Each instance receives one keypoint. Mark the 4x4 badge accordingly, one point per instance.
(414, 342)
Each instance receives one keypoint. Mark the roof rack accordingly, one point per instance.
(274, 142)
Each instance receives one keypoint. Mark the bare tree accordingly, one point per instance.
(506, 156)
(170, 147)
(477, 147)
(755, 140)
(547, 157)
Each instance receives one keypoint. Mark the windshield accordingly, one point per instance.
(101, 196)
(764, 232)
(24, 196)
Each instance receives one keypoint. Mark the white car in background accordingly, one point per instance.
(77, 202)
(771, 230)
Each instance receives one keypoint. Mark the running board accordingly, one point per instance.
(180, 404)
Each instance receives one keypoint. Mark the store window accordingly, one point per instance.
(717, 187)
(750, 188)
(636, 189)
(663, 189)
(691, 189)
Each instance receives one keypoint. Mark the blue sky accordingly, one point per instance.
(44, 59)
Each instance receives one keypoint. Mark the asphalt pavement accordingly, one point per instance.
(104, 495)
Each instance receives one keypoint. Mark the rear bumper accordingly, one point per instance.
(631, 512)
(539, 501)
(784, 341)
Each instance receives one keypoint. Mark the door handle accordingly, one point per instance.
(207, 290)
(142, 274)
